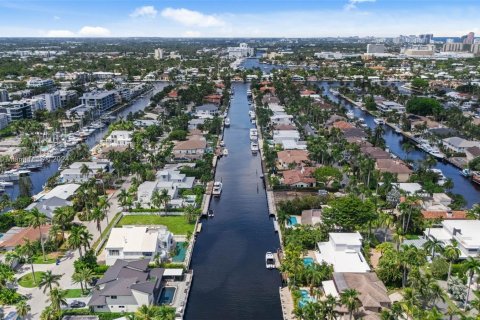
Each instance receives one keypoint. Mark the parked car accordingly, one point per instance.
(78, 304)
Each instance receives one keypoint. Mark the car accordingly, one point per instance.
(322, 193)
(78, 304)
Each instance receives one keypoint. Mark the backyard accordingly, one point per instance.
(175, 224)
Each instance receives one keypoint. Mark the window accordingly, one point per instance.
(147, 254)
(121, 307)
(113, 297)
(114, 252)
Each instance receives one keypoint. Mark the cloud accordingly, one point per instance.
(56, 18)
(352, 4)
(191, 34)
(145, 11)
(60, 33)
(89, 31)
(192, 18)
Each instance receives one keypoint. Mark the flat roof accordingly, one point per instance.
(173, 272)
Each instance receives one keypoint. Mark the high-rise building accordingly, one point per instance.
(3, 95)
(453, 47)
(375, 48)
(426, 38)
(468, 38)
(476, 49)
(241, 51)
(158, 54)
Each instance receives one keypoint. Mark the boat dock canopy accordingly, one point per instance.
(199, 228)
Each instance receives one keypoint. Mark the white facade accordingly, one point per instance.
(344, 252)
(459, 145)
(375, 48)
(38, 82)
(3, 120)
(241, 51)
(120, 138)
(158, 54)
(132, 243)
(464, 232)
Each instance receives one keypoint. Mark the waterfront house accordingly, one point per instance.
(444, 214)
(119, 138)
(48, 206)
(206, 111)
(397, 167)
(138, 242)
(279, 136)
(344, 252)
(472, 153)
(281, 118)
(391, 106)
(63, 191)
(375, 152)
(126, 286)
(193, 148)
(299, 177)
(289, 158)
(459, 145)
(464, 232)
(17, 236)
(74, 172)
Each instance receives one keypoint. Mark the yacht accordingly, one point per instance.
(225, 152)
(434, 151)
(334, 92)
(253, 134)
(6, 184)
(466, 172)
(217, 188)
(254, 147)
(269, 260)
(441, 178)
(252, 114)
(227, 122)
(249, 93)
(379, 121)
(350, 115)
(222, 144)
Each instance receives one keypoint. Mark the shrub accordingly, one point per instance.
(439, 268)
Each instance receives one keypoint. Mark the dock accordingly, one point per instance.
(199, 228)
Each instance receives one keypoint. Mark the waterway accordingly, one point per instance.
(230, 278)
(40, 177)
(469, 190)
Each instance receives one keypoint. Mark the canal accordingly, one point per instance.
(40, 177)
(230, 278)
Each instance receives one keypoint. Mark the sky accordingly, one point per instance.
(237, 18)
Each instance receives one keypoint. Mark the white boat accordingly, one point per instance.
(441, 178)
(222, 144)
(252, 114)
(6, 183)
(217, 188)
(253, 121)
(269, 260)
(253, 134)
(466, 172)
(225, 152)
(254, 147)
(379, 121)
(350, 115)
(249, 93)
(227, 122)
(334, 92)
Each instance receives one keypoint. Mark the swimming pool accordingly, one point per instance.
(305, 298)
(181, 251)
(308, 261)
(166, 297)
(292, 221)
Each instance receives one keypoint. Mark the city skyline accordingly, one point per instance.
(213, 18)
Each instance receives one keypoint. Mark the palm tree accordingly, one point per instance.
(472, 266)
(28, 250)
(57, 298)
(97, 215)
(191, 213)
(451, 253)
(48, 279)
(37, 219)
(433, 245)
(123, 197)
(161, 198)
(63, 216)
(23, 308)
(349, 298)
(103, 204)
(166, 313)
(147, 313)
(13, 256)
(75, 239)
(83, 276)
(85, 170)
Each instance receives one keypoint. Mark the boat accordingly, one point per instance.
(253, 134)
(379, 121)
(249, 93)
(254, 146)
(269, 260)
(350, 115)
(466, 173)
(6, 184)
(225, 152)
(334, 92)
(217, 188)
(441, 177)
(222, 144)
(253, 121)
(227, 122)
(434, 151)
(251, 114)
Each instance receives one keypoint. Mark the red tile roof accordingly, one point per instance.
(453, 215)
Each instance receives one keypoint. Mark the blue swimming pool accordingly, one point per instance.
(308, 261)
(181, 251)
(305, 298)
(166, 297)
(292, 221)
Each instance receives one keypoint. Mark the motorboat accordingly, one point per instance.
(225, 152)
(222, 143)
(350, 115)
(434, 151)
(441, 178)
(227, 122)
(6, 184)
(269, 260)
(253, 121)
(253, 134)
(217, 188)
(254, 146)
(252, 114)
(249, 93)
(379, 121)
(334, 92)
(466, 173)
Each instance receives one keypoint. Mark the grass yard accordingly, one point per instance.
(27, 280)
(175, 224)
(51, 258)
(75, 293)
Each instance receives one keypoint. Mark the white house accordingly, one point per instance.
(457, 144)
(344, 252)
(465, 232)
(388, 106)
(131, 243)
(74, 172)
(120, 138)
(281, 118)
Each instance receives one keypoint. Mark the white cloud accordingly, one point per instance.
(352, 4)
(60, 33)
(192, 18)
(191, 34)
(145, 11)
(89, 31)
(56, 18)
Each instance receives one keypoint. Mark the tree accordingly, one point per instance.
(472, 266)
(97, 215)
(191, 213)
(327, 174)
(49, 279)
(75, 239)
(28, 250)
(57, 298)
(123, 197)
(23, 308)
(83, 276)
(152, 312)
(433, 245)
(451, 253)
(423, 106)
(49, 313)
(25, 186)
(349, 298)
(160, 199)
(37, 219)
(85, 170)
(63, 216)
(349, 212)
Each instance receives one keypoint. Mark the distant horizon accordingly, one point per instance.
(231, 19)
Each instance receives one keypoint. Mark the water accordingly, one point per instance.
(230, 278)
(166, 297)
(40, 177)
(181, 251)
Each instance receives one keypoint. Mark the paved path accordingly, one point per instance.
(39, 300)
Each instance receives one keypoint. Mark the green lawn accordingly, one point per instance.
(75, 293)
(27, 280)
(175, 224)
(39, 260)
(412, 237)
